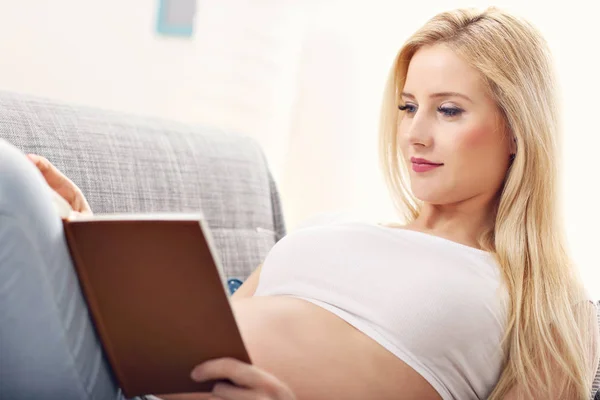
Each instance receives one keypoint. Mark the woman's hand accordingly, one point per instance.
(61, 184)
(251, 382)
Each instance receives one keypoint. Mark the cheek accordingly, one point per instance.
(482, 156)
(475, 138)
(401, 136)
(479, 142)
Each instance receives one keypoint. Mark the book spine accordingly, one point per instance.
(88, 294)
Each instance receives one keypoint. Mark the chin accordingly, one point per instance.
(430, 196)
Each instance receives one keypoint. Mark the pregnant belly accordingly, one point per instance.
(320, 356)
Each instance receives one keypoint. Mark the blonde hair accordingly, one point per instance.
(551, 334)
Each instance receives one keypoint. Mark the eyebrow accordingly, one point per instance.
(440, 94)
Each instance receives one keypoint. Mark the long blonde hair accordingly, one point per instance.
(551, 334)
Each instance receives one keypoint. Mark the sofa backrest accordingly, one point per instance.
(596, 384)
(131, 164)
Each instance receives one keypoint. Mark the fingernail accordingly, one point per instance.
(196, 374)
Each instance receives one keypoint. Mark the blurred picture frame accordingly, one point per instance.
(176, 17)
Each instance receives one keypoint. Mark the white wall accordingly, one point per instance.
(307, 80)
(238, 71)
(338, 111)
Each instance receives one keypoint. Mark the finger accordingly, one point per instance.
(229, 392)
(244, 375)
(53, 176)
(41, 162)
(240, 373)
(60, 183)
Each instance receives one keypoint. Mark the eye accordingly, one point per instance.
(409, 108)
(450, 111)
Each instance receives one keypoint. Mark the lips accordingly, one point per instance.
(423, 165)
(416, 160)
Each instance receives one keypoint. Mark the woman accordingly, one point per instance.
(475, 296)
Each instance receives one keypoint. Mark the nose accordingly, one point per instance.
(419, 132)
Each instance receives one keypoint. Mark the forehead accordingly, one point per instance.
(438, 68)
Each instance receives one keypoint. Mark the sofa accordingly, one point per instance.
(126, 163)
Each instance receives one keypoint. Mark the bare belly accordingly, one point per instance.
(320, 356)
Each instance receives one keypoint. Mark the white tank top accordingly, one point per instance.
(437, 305)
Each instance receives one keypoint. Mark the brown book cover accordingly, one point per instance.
(157, 297)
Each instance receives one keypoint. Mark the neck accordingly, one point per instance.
(461, 222)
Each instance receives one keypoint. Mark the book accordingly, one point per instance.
(157, 296)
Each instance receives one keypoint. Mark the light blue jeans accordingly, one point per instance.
(48, 346)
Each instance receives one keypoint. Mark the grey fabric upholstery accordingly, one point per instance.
(596, 384)
(131, 164)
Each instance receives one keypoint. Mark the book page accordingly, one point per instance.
(77, 217)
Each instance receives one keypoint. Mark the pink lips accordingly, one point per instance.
(423, 165)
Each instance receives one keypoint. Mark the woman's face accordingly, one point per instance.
(451, 132)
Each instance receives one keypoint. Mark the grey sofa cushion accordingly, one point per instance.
(131, 164)
(596, 384)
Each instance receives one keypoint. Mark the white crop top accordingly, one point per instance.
(437, 305)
